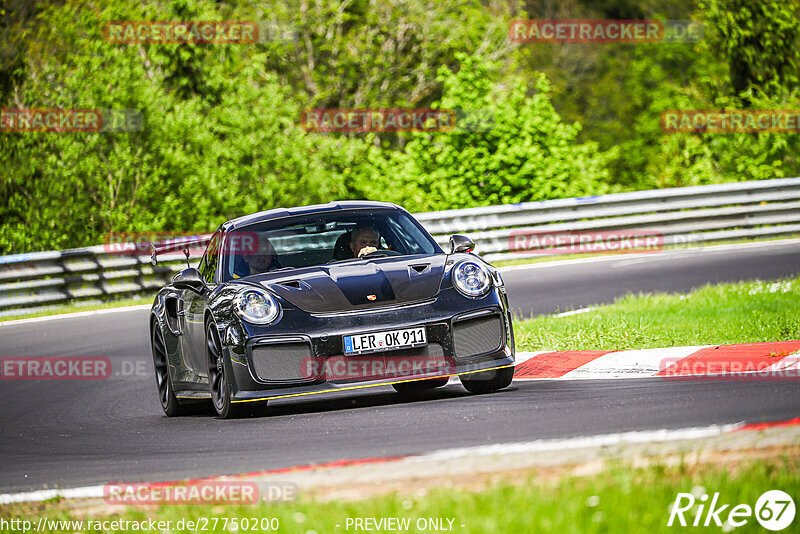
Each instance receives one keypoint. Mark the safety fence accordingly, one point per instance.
(688, 216)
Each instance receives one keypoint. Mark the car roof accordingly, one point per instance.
(278, 213)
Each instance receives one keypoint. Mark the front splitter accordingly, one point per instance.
(328, 387)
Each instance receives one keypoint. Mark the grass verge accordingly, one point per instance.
(74, 308)
(620, 499)
(744, 312)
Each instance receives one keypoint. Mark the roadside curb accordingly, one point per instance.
(744, 361)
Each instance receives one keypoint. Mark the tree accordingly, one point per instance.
(759, 40)
(515, 148)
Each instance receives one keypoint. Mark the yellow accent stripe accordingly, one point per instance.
(370, 385)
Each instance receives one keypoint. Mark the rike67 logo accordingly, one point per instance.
(774, 510)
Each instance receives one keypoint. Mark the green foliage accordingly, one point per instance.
(510, 148)
(618, 92)
(221, 138)
(654, 159)
(213, 146)
(759, 39)
(381, 53)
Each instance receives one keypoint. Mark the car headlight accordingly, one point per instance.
(256, 306)
(471, 278)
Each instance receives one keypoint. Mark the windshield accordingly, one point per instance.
(323, 238)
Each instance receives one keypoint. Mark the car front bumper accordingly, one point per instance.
(277, 362)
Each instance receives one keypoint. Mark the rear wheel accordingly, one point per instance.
(166, 393)
(220, 383)
(487, 381)
(419, 386)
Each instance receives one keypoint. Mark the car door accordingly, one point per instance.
(194, 308)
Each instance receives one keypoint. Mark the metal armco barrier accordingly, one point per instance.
(680, 216)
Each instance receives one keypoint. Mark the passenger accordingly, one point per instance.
(261, 260)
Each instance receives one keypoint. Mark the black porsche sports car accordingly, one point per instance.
(317, 299)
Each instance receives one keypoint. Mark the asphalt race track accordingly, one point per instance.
(75, 433)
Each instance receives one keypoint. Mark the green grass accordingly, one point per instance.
(620, 499)
(743, 312)
(78, 307)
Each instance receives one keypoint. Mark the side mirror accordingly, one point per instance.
(189, 279)
(461, 243)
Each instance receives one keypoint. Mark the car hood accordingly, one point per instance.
(357, 284)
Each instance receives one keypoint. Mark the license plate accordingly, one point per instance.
(388, 340)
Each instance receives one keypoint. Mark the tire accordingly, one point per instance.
(166, 393)
(487, 381)
(419, 386)
(220, 384)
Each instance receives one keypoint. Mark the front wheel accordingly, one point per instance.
(220, 383)
(487, 381)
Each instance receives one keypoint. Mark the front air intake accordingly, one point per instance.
(281, 362)
(476, 336)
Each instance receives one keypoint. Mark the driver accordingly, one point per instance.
(260, 260)
(364, 240)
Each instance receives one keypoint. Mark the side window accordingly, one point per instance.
(208, 265)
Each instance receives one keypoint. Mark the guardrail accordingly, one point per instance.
(688, 215)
